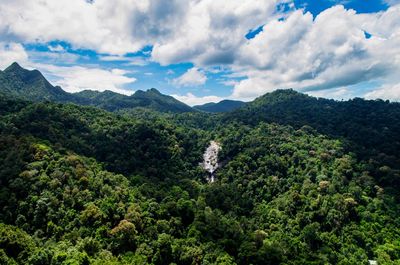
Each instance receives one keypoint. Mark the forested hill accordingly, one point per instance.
(82, 185)
(371, 125)
(32, 85)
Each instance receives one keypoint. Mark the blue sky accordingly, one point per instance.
(201, 51)
(361, 6)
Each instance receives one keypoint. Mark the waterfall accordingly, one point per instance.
(210, 160)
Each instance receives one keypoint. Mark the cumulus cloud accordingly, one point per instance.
(12, 52)
(204, 31)
(212, 31)
(81, 23)
(328, 52)
(192, 77)
(193, 100)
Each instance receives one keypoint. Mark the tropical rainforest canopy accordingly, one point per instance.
(92, 178)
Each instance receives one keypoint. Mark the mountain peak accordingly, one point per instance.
(287, 92)
(14, 67)
(29, 84)
(280, 95)
(153, 90)
(25, 75)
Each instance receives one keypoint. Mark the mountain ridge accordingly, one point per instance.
(221, 106)
(33, 86)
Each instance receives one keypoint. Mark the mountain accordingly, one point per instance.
(222, 106)
(112, 101)
(32, 85)
(155, 100)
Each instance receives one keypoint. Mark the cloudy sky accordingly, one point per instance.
(206, 50)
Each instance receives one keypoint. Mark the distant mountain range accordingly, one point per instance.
(18, 82)
(222, 106)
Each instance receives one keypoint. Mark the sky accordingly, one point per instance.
(207, 50)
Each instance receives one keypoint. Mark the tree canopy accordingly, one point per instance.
(301, 181)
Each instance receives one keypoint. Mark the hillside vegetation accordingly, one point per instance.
(301, 181)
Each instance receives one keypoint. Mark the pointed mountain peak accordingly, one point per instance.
(25, 75)
(14, 67)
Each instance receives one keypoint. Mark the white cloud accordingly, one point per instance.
(211, 31)
(328, 52)
(192, 77)
(203, 31)
(227, 82)
(335, 93)
(103, 26)
(112, 58)
(392, 2)
(76, 78)
(192, 100)
(12, 52)
(56, 48)
(138, 61)
(301, 52)
(391, 92)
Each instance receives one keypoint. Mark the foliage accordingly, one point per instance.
(80, 185)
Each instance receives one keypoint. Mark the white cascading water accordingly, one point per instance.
(210, 163)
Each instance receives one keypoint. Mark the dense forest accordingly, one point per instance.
(301, 181)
